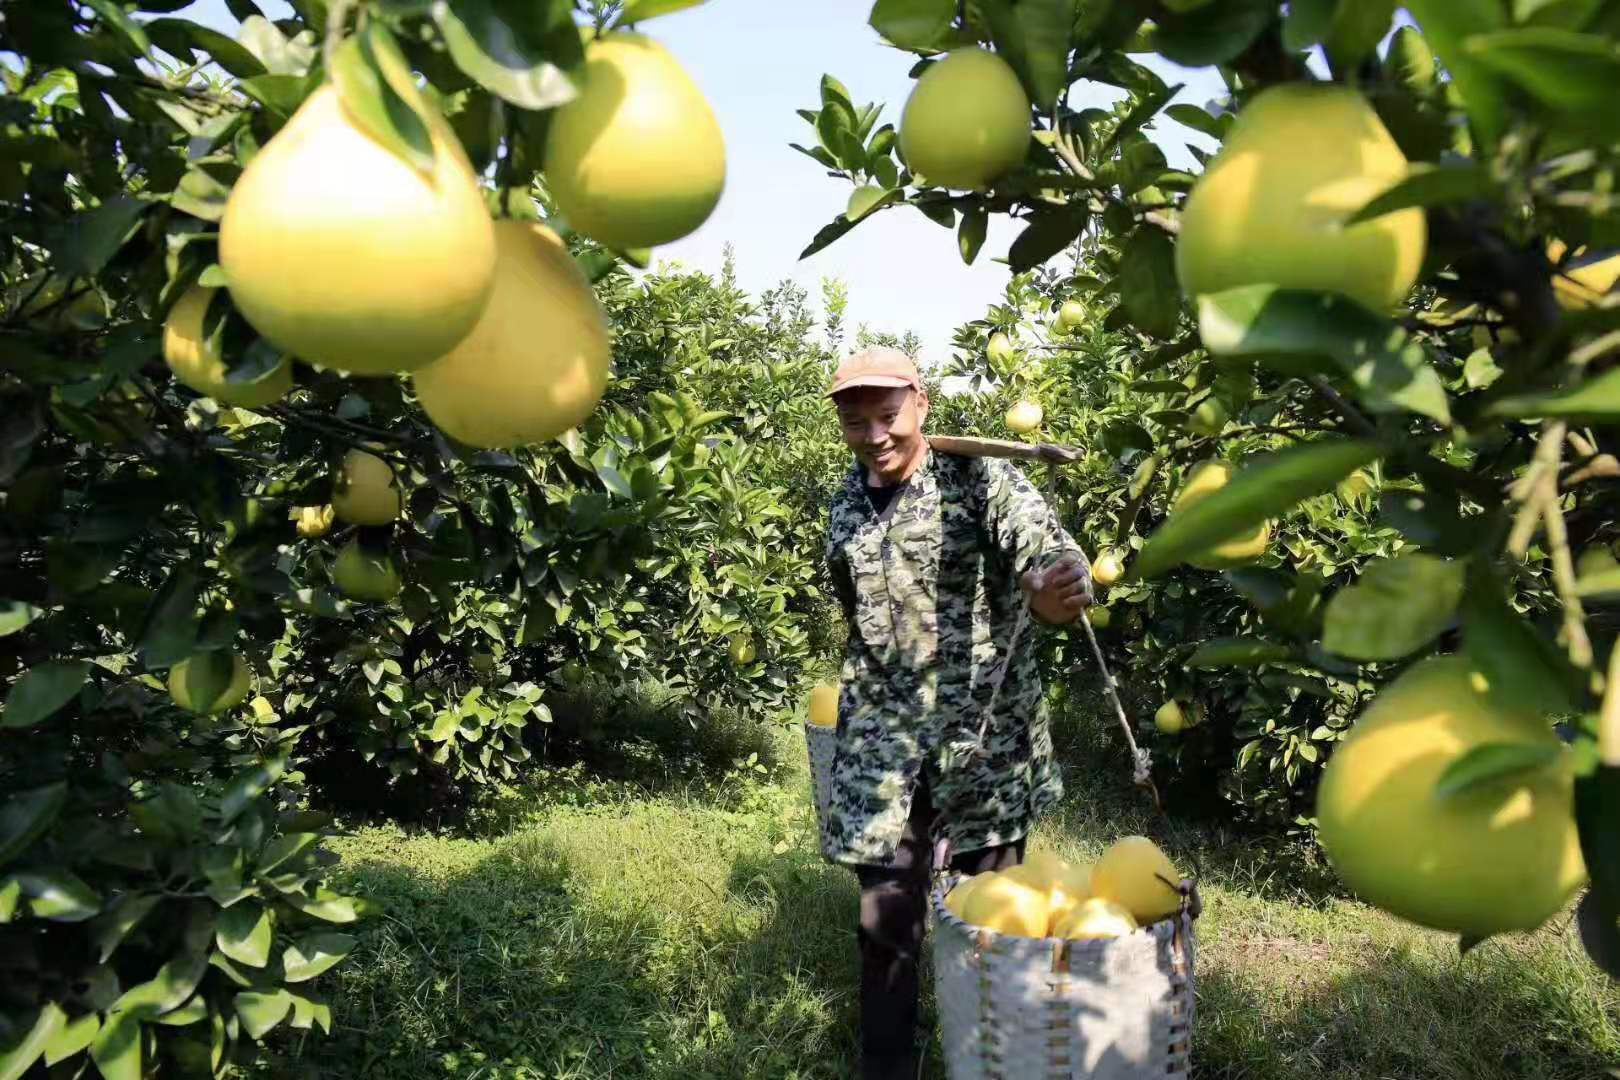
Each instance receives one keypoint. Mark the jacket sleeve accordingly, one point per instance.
(838, 571)
(1023, 527)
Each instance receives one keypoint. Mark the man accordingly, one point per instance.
(933, 555)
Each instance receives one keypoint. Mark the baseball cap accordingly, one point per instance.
(877, 366)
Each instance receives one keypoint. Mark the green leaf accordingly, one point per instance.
(307, 1012)
(170, 632)
(1263, 489)
(828, 234)
(1389, 367)
(640, 10)
(18, 1057)
(126, 29)
(42, 691)
(913, 24)
(174, 982)
(1429, 519)
(1597, 400)
(1033, 36)
(1049, 232)
(1446, 26)
(1307, 23)
(1572, 74)
(1429, 185)
(285, 848)
(1489, 762)
(72, 1038)
(58, 894)
(281, 94)
(520, 52)
(313, 954)
(866, 199)
(116, 1049)
(326, 905)
(1237, 652)
(1122, 435)
(1212, 34)
(1395, 607)
(1358, 26)
(1480, 369)
(88, 241)
(243, 933)
(374, 103)
(114, 924)
(971, 232)
(1199, 120)
(1524, 669)
(1147, 282)
(179, 37)
(16, 614)
(278, 53)
(26, 816)
(247, 786)
(261, 1012)
(193, 1010)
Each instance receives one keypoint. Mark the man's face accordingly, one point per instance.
(884, 427)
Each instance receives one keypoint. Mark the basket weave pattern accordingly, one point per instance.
(823, 744)
(1016, 1008)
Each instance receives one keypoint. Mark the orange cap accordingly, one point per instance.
(877, 366)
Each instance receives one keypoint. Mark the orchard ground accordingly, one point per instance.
(647, 916)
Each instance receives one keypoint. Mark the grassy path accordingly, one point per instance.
(607, 932)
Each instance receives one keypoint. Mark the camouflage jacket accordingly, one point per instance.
(930, 591)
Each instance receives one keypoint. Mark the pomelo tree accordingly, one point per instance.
(239, 558)
(1392, 285)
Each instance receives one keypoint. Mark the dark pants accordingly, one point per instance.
(894, 906)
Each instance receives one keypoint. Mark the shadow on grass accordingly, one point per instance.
(1406, 1016)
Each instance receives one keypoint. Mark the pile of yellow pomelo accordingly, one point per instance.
(1131, 886)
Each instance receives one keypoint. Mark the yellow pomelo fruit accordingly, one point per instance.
(966, 122)
(1596, 560)
(197, 362)
(341, 253)
(365, 492)
(1501, 855)
(361, 575)
(1008, 906)
(637, 159)
(311, 521)
(1107, 569)
(1170, 720)
(1024, 417)
(1095, 918)
(1071, 316)
(1135, 874)
(185, 690)
(536, 363)
(1209, 418)
(1000, 347)
(824, 705)
(741, 649)
(1202, 481)
(1065, 883)
(957, 897)
(1582, 286)
(573, 672)
(1099, 617)
(1270, 208)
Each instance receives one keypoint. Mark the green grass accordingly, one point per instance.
(609, 929)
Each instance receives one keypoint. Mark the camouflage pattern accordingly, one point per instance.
(930, 591)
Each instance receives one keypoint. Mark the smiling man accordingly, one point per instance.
(932, 556)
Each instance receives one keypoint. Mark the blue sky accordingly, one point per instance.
(758, 61)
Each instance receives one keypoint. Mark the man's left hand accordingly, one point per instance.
(1060, 593)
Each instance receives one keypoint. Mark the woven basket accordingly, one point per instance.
(1016, 1008)
(823, 743)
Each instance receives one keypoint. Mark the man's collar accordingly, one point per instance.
(856, 480)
